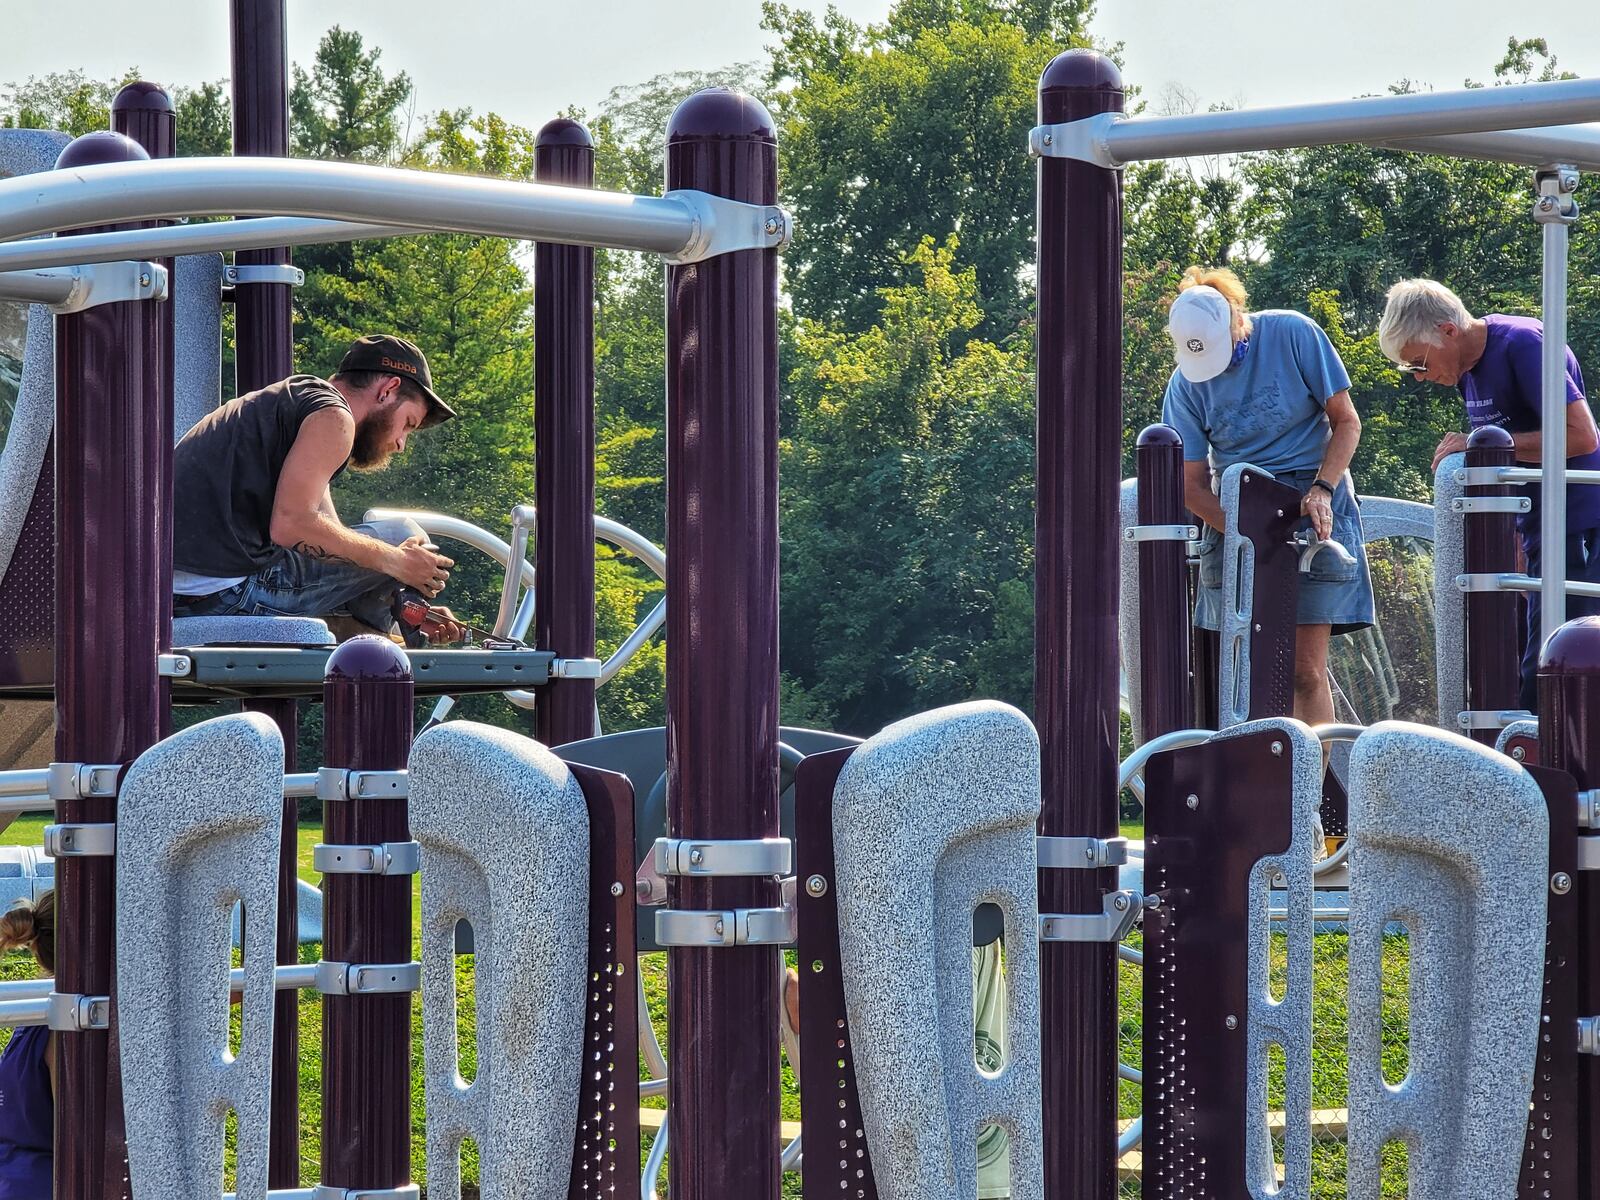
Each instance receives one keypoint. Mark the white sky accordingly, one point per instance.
(528, 60)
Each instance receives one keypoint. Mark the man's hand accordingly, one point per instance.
(1451, 443)
(1318, 505)
(444, 629)
(418, 564)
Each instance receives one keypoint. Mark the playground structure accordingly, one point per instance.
(893, 845)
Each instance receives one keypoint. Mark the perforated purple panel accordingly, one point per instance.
(1268, 514)
(27, 593)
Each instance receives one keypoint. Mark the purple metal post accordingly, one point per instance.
(563, 424)
(1165, 701)
(263, 354)
(1489, 546)
(366, 919)
(110, 394)
(722, 653)
(1075, 604)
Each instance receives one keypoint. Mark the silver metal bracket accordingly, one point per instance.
(81, 841)
(1483, 718)
(1161, 533)
(82, 781)
(1497, 581)
(1557, 203)
(339, 783)
(1311, 546)
(68, 1012)
(1589, 1035)
(1589, 808)
(1481, 476)
(729, 927)
(174, 666)
(326, 1191)
(1589, 854)
(1491, 504)
(94, 284)
(575, 668)
(1084, 140)
(385, 858)
(722, 226)
(1082, 853)
(732, 857)
(264, 273)
(367, 979)
(1118, 913)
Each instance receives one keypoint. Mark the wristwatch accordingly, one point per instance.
(1325, 486)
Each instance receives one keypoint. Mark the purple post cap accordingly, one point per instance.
(1159, 435)
(98, 148)
(564, 131)
(1574, 649)
(721, 114)
(367, 658)
(143, 96)
(1489, 437)
(1081, 71)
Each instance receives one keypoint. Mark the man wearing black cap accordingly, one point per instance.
(256, 532)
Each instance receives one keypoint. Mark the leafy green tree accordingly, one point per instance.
(205, 121)
(68, 101)
(347, 107)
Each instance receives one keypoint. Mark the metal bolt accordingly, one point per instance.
(1193, 801)
(1232, 1022)
(719, 928)
(1547, 204)
(1561, 883)
(1049, 139)
(1120, 903)
(1258, 626)
(816, 885)
(1277, 749)
(1280, 512)
(616, 889)
(696, 857)
(772, 226)
(144, 278)
(1519, 753)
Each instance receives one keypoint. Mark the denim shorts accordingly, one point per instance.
(1332, 593)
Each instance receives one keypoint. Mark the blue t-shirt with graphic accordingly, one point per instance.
(1269, 408)
(1503, 388)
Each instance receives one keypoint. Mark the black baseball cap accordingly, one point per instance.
(390, 355)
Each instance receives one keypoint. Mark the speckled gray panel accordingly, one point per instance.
(1452, 839)
(1385, 517)
(250, 631)
(1238, 593)
(198, 825)
(931, 818)
(197, 338)
(1527, 729)
(505, 846)
(1449, 605)
(1128, 608)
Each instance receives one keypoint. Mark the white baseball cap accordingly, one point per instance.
(1201, 325)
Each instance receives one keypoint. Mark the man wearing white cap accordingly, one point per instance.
(1268, 389)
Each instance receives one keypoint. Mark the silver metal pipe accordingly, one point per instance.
(301, 784)
(1371, 119)
(1535, 475)
(1553, 428)
(522, 519)
(1578, 145)
(26, 989)
(298, 978)
(42, 285)
(24, 783)
(180, 187)
(12, 806)
(24, 1012)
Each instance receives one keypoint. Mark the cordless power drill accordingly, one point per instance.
(419, 621)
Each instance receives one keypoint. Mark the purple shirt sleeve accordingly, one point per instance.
(1526, 356)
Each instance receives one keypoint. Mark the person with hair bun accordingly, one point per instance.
(1267, 388)
(28, 1067)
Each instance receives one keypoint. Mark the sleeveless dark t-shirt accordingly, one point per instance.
(225, 476)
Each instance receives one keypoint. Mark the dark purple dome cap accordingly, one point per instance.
(1082, 71)
(142, 96)
(1489, 437)
(564, 131)
(368, 657)
(98, 148)
(1574, 649)
(721, 113)
(1159, 435)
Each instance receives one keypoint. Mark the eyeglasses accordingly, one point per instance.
(1420, 368)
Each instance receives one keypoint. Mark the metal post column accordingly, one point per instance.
(366, 1038)
(722, 653)
(1166, 702)
(264, 353)
(563, 422)
(1075, 656)
(1489, 547)
(1556, 209)
(109, 697)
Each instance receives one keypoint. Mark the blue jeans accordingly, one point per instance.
(297, 585)
(1583, 566)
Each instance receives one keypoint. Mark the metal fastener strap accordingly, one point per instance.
(731, 857)
(324, 1191)
(82, 781)
(729, 927)
(1082, 853)
(1502, 581)
(1118, 913)
(81, 841)
(1589, 854)
(575, 668)
(264, 273)
(1589, 808)
(1483, 718)
(367, 979)
(1491, 504)
(1589, 1035)
(69, 1012)
(174, 666)
(1481, 476)
(338, 783)
(1161, 533)
(384, 858)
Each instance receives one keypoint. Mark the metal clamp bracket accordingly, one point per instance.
(1497, 581)
(1589, 808)
(263, 273)
(1083, 140)
(729, 927)
(68, 1012)
(174, 666)
(78, 288)
(81, 841)
(1119, 911)
(747, 857)
(1557, 203)
(575, 668)
(1491, 504)
(82, 781)
(722, 226)
(326, 1191)
(1486, 718)
(1161, 533)
(367, 979)
(1589, 1035)
(385, 858)
(1082, 853)
(1481, 476)
(340, 783)
(1589, 854)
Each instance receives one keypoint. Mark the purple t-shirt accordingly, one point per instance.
(1503, 389)
(27, 1116)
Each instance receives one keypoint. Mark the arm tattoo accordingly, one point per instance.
(321, 554)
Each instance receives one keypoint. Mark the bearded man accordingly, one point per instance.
(256, 532)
